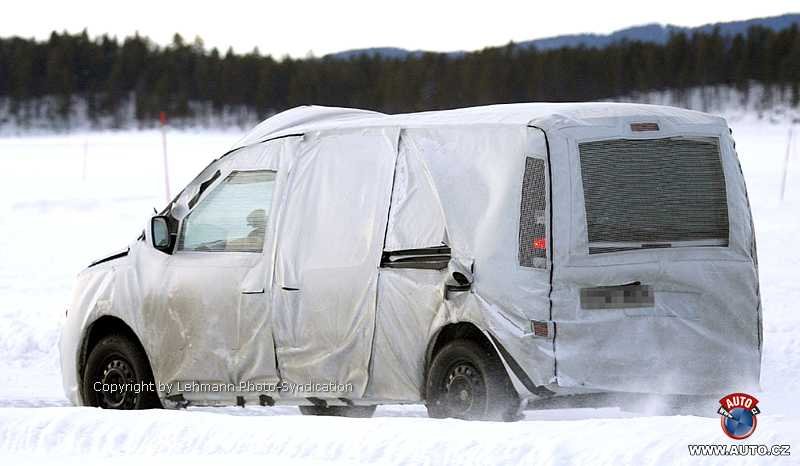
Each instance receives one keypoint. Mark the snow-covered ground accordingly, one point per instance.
(66, 200)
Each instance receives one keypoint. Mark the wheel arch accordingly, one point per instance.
(470, 331)
(101, 327)
(464, 330)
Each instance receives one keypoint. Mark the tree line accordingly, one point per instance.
(109, 74)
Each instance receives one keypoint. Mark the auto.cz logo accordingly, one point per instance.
(738, 419)
(738, 413)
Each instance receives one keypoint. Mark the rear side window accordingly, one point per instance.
(654, 193)
(233, 217)
(532, 232)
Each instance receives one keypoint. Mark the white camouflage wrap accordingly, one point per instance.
(316, 305)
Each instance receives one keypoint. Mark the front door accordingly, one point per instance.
(330, 237)
(217, 272)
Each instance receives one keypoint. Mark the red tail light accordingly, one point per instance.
(539, 243)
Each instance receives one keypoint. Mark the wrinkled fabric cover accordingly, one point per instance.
(317, 307)
(330, 240)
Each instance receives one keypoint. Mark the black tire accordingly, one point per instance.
(468, 381)
(117, 360)
(343, 411)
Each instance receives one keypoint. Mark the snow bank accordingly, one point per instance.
(287, 437)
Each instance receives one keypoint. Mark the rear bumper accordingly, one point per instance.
(658, 355)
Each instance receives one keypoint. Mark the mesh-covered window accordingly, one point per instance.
(233, 217)
(532, 222)
(654, 193)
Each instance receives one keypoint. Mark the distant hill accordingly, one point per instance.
(385, 52)
(654, 33)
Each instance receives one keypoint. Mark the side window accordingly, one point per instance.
(532, 219)
(233, 217)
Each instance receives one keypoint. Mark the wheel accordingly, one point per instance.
(343, 411)
(467, 381)
(116, 369)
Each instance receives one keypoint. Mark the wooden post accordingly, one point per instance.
(162, 117)
(786, 159)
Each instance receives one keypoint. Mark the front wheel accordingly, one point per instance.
(467, 381)
(118, 376)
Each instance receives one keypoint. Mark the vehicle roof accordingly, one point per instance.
(545, 115)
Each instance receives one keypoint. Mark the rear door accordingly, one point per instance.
(330, 238)
(654, 287)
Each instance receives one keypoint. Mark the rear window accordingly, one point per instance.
(532, 233)
(654, 193)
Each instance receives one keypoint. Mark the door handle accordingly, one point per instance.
(287, 288)
(621, 285)
(261, 291)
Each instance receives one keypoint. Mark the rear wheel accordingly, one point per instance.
(343, 411)
(467, 381)
(116, 369)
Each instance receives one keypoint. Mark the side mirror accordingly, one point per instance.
(459, 278)
(159, 234)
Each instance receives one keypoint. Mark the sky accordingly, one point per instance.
(298, 28)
